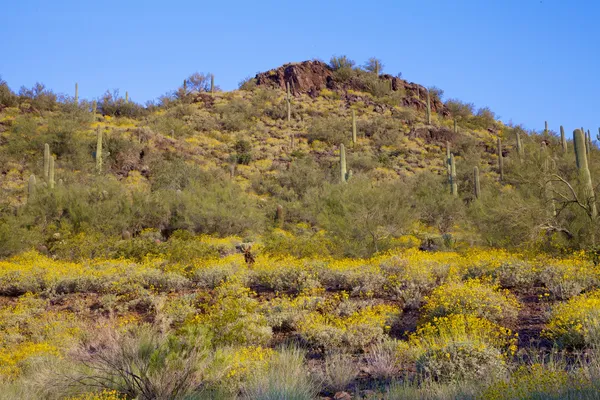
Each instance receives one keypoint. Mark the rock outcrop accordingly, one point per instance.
(310, 77)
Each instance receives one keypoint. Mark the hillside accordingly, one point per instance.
(325, 231)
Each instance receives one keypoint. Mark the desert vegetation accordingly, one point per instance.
(360, 238)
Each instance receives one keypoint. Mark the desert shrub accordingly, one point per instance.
(248, 83)
(340, 371)
(114, 105)
(224, 209)
(362, 218)
(284, 312)
(7, 97)
(506, 217)
(472, 297)
(383, 131)
(302, 243)
(462, 362)
(410, 281)
(357, 277)
(342, 68)
(434, 203)
(565, 279)
(234, 318)
(352, 333)
(286, 377)
(243, 152)
(576, 323)
(331, 130)
(283, 275)
(458, 109)
(145, 363)
(39, 97)
(383, 358)
(235, 115)
(171, 126)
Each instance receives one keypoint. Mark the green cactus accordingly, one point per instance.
(584, 172)
(563, 139)
(476, 184)
(428, 108)
(126, 97)
(447, 160)
(76, 93)
(94, 109)
(343, 172)
(51, 173)
(31, 188)
(500, 160)
(547, 182)
(545, 127)
(212, 84)
(279, 216)
(184, 87)
(353, 126)
(454, 183)
(46, 161)
(598, 135)
(520, 150)
(99, 150)
(455, 126)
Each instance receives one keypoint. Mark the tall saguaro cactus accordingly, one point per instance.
(46, 161)
(584, 171)
(455, 126)
(99, 150)
(31, 188)
(545, 127)
(520, 150)
(212, 84)
(563, 139)
(126, 97)
(279, 216)
(428, 108)
(343, 171)
(51, 173)
(354, 126)
(500, 160)
(76, 93)
(453, 182)
(476, 184)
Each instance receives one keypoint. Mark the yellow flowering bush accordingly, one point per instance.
(569, 277)
(537, 381)
(235, 318)
(351, 333)
(471, 297)
(231, 366)
(576, 323)
(463, 328)
(104, 395)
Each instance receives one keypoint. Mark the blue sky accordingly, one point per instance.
(528, 60)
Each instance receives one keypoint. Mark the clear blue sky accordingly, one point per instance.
(528, 60)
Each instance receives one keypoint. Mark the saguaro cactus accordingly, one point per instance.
(126, 97)
(99, 150)
(476, 184)
(76, 93)
(563, 139)
(500, 160)
(343, 172)
(353, 126)
(46, 161)
(455, 126)
(212, 84)
(584, 172)
(51, 173)
(428, 108)
(94, 109)
(520, 150)
(545, 127)
(454, 183)
(31, 188)
(279, 216)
